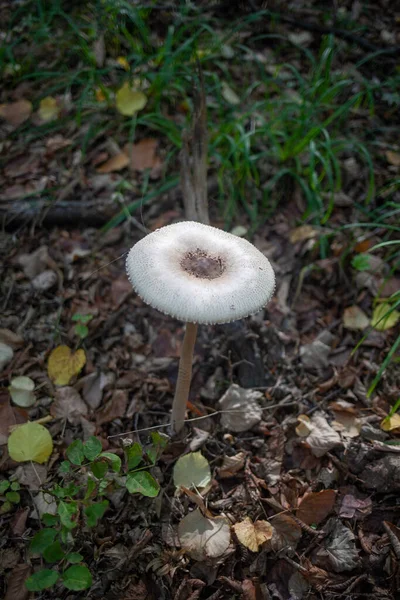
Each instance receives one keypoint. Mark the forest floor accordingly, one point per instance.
(298, 497)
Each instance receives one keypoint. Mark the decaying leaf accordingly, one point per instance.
(381, 320)
(30, 441)
(241, 410)
(305, 426)
(338, 551)
(316, 506)
(114, 409)
(48, 109)
(391, 423)
(63, 364)
(231, 465)
(22, 391)
(355, 318)
(6, 355)
(204, 538)
(286, 533)
(16, 113)
(35, 263)
(355, 508)
(302, 233)
(16, 588)
(68, 405)
(253, 535)
(323, 437)
(393, 158)
(143, 155)
(192, 471)
(129, 101)
(115, 163)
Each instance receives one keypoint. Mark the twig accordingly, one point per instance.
(217, 412)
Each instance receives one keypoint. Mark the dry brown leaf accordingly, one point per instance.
(286, 533)
(114, 409)
(393, 158)
(353, 507)
(231, 465)
(9, 416)
(68, 405)
(115, 163)
(16, 588)
(15, 113)
(316, 506)
(253, 535)
(302, 233)
(323, 437)
(143, 155)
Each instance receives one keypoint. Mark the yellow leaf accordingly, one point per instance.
(63, 364)
(121, 60)
(129, 101)
(48, 109)
(99, 95)
(17, 112)
(30, 441)
(390, 423)
(252, 536)
(305, 426)
(380, 322)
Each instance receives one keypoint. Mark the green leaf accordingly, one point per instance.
(81, 330)
(49, 520)
(13, 497)
(99, 469)
(74, 558)
(134, 455)
(54, 552)
(4, 485)
(75, 452)
(361, 262)
(95, 511)
(42, 540)
(143, 483)
(66, 512)
(82, 318)
(114, 459)
(91, 486)
(65, 466)
(42, 580)
(77, 577)
(15, 486)
(92, 448)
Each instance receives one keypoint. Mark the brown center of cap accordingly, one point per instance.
(202, 265)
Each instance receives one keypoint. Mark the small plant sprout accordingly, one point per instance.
(81, 321)
(198, 274)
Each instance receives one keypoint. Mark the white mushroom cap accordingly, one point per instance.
(200, 274)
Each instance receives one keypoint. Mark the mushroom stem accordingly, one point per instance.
(184, 377)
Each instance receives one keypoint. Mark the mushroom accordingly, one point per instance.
(199, 274)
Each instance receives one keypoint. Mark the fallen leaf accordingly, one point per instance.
(316, 506)
(122, 61)
(15, 113)
(390, 423)
(231, 465)
(204, 538)
(240, 409)
(35, 263)
(380, 322)
(48, 109)
(93, 386)
(229, 95)
(114, 409)
(253, 535)
(305, 426)
(355, 318)
(352, 507)
(45, 280)
(44, 503)
(21, 391)
(6, 355)
(9, 416)
(286, 534)
(18, 523)
(129, 101)
(315, 356)
(143, 155)
(32, 476)
(68, 405)
(11, 339)
(302, 233)
(323, 437)
(16, 588)
(192, 471)
(393, 158)
(115, 163)
(63, 365)
(339, 551)
(30, 441)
